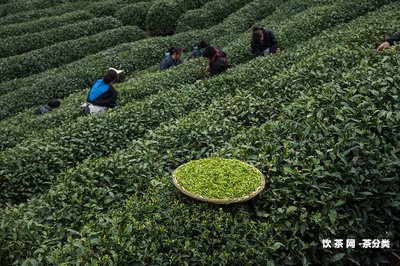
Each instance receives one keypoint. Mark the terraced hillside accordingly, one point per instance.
(321, 120)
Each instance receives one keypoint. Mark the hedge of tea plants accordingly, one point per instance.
(134, 14)
(44, 24)
(155, 120)
(35, 14)
(18, 128)
(321, 120)
(130, 57)
(240, 49)
(21, 44)
(293, 227)
(163, 15)
(239, 21)
(338, 142)
(111, 238)
(209, 15)
(306, 24)
(11, 139)
(13, 7)
(134, 119)
(65, 52)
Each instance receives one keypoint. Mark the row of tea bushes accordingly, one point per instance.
(25, 43)
(65, 52)
(131, 57)
(18, 6)
(99, 190)
(159, 17)
(209, 15)
(133, 119)
(109, 7)
(134, 14)
(287, 219)
(109, 180)
(304, 25)
(44, 24)
(238, 22)
(14, 131)
(77, 199)
(55, 122)
(339, 142)
(163, 15)
(35, 14)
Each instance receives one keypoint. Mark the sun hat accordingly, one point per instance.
(116, 70)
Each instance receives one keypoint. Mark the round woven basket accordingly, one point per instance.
(219, 201)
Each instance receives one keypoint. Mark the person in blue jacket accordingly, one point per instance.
(102, 94)
(198, 50)
(389, 42)
(172, 58)
(263, 42)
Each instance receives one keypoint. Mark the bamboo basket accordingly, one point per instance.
(218, 201)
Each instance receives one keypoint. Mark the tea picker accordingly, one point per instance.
(263, 42)
(172, 58)
(217, 61)
(102, 94)
(53, 103)
(198, 50)
(389, 42)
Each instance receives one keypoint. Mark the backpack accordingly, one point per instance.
(222, 53)
(224, 57)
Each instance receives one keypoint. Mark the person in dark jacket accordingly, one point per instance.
(53, 103)
(102, 94)
(389, 42)
(173, 58)
(263, 42)
(217, 61)
(198, 50)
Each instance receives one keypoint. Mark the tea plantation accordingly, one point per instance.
(320, 120)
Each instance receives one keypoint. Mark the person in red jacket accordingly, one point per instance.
(217, 60)
(389, 42)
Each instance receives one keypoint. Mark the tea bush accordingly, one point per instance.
(309, 126)
(107, 7)
(209, 15)
(44, 24)
(25, 43)
(15, 129)
(9, 8)
(289, 217)
(180, 232)
(316, 145)
(130, 57)
(30, 15)
(133, 119)
(65, 52)
(163, 15)
(134, 14)
(156, 155)
(304, 25)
